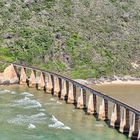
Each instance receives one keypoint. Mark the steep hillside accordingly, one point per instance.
(79, 38)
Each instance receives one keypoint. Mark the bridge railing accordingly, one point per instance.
(123, 116)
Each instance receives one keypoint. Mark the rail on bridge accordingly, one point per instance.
(116, 113)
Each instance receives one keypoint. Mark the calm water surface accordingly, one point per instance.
(28, 114)
(129, 94)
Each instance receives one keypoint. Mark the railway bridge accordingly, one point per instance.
(115, 113)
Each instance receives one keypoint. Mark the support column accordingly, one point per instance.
(103, 110)
(92, 104)
(139, 135)
(41, 82)
(134, 127)
(23, 77)
(56, 86)
(10, 74)
(71, 94)
(115, 117)
(50, 84)
(124, 124)
(60, 87)
(81, 102)
(64, 90)
(32, 79)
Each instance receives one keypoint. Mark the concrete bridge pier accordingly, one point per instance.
(23, 76)
(32, 79)
(124, 124)
(72, 90)
(103, 110)
(115, 116)
(134, 127)
(92, 108)
(10, 74)
(50, 84)
(64, 90)
(81, 102)
(41, 82)
(139, 135)
(56, 86)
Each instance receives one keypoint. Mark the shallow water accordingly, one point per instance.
(28, 114)
(129, 94)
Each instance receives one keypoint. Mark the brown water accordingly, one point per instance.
(29, 114)
(129, 94)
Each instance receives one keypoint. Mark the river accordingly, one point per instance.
(129, 94)
(29, 114)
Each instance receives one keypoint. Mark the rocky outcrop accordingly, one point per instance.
(9, 76)
(7, 36)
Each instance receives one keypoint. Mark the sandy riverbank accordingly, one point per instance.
(119, 82)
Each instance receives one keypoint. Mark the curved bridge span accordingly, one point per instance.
(116, 113)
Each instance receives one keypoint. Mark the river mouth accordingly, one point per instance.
(127, 93)
(29, 114)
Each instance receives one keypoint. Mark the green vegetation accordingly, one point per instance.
(80, 39)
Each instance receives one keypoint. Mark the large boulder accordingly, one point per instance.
(9, 76)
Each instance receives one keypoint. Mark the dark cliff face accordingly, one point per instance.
(89, 37)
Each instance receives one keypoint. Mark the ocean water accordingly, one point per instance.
(29, 114)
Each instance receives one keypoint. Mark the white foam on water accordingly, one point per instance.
(38, 115)
(26, 120)
(27, 94)
(13, 92)
(50, 103)
(58, 102)
(28, 103)
(52, 99)
(55, 103)
(31, 126)
(5, 91)
(57, 124)
(36, 105)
